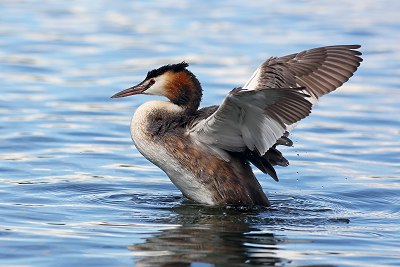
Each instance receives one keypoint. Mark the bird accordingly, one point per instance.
(208, 152)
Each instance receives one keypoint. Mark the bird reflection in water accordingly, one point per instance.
(211, 235)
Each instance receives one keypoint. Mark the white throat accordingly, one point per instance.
(140, 133)
(139, 122)
(155, 151)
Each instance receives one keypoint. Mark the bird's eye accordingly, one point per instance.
(151, 82)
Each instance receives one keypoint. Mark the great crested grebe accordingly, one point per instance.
(207, 152)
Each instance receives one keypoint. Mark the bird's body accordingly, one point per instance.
(207, 152)
(159, 131)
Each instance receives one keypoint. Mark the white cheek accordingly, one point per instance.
(157, 88)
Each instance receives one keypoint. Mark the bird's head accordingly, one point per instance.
(173, 81)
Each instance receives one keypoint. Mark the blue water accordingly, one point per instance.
(75, 191)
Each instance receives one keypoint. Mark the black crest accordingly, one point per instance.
(170, 67)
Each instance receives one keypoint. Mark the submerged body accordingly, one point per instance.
(207, 153)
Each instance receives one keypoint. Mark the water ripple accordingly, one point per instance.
(74, 188)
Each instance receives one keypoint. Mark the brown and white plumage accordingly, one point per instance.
(206, 153)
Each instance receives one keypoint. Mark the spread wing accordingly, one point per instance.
(253, 119)
(320, 70)
(275, 98)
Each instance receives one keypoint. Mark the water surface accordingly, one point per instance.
(74, 190)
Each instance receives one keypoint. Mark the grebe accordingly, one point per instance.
(207, 152)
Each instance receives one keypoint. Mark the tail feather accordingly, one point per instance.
(285, 141)
(262, 164)
(273, 157)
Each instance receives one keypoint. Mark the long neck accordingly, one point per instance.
(155, 117)
(188, 92)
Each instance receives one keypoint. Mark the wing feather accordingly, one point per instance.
(252, 119)
(320, 70)
(278, 95)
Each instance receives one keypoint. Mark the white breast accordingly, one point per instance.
(157, 153)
